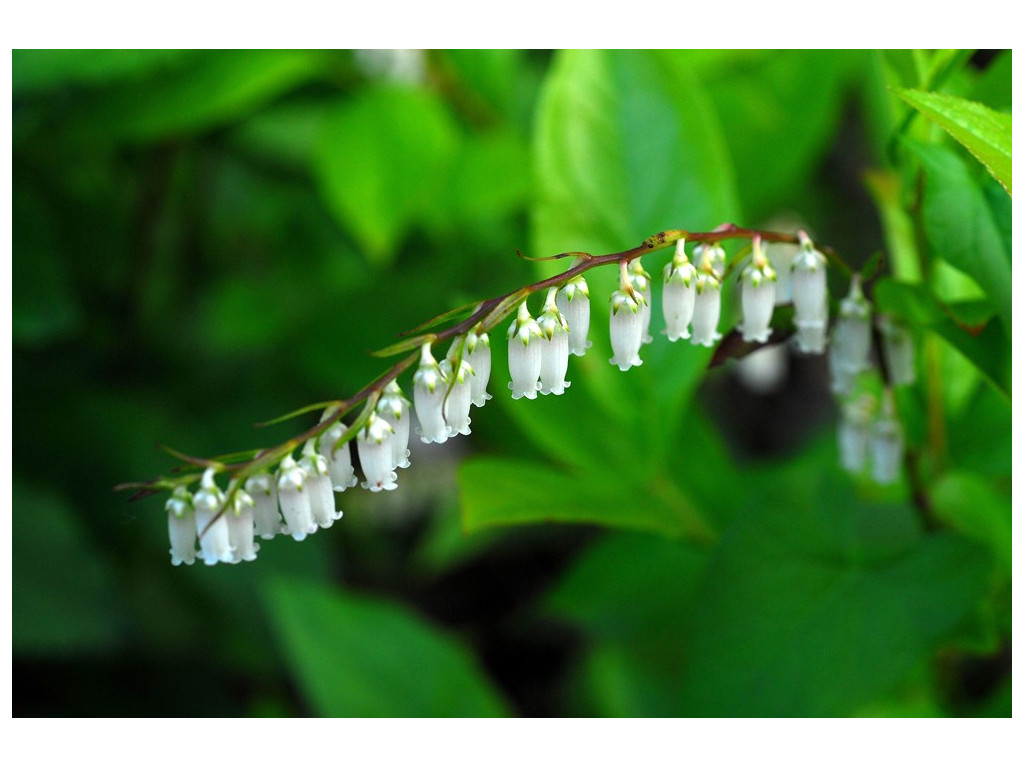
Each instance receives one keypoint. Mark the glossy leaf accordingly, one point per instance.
(360, 657)
(985, 133)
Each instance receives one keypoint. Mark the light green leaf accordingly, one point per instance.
(360, 657)
(962, 227)
(985, 133)
(381, 160)
(507, 492)
(970, 504)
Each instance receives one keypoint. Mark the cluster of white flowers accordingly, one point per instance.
(298, 499)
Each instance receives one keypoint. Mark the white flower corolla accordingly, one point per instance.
(524, 355)
(854, 433)
(573, 301)
(460, 396)
(266, 516)
(886, 445)
(293, 495)
(710, 256)
(707, 308)
(181, 526)
(241, 527)
(478, 355)
(374, 445)
(757, 296)
(626, 328)
(680, 292)
(394, 408)
(898, 351)
(851, 337)
(214, 543)
(428, 393)
(319, 487)
(641, 282)
(339, 460)
(554, 347)
(810, 297)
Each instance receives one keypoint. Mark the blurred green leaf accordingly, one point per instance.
(972, 506)
(381, 160)
(65, 599)
(794, 618)
(994, 86)
(360, 657)
(962, 227)
(985, 133)
(626, 145)
(503, 83)
(507, 492)
(216, 87)
(37, 70)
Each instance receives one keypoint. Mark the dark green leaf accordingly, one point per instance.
(985, 133)
(360, 657)
(36, 70)
(970, 504)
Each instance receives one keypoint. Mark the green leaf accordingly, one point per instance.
(985, 133)
(360, 657)
(813, 609)
(626, 145)
(971, 505)
(37, 70)
(507, 492)
(962, 227)
(381, 160)
(64, 596)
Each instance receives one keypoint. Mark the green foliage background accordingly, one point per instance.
(206, 239)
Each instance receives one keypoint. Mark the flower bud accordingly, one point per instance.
(524, 355)
(898, 350)
(854, 432)
(573, 301)
(319, 486)
(707, 308)
(240, 527)
(641, 282)
(679, 294)
(460, 396)
(373, 443)
(554, 347)
(851, 338)
(339, 459)
(478, 355)
(215, 544)
(262, 488)
(293, 495)
(810, 297)
(429, 390)
(626, 328)
(758, 296)
(181, 526)
(394, 408)
(886, 445)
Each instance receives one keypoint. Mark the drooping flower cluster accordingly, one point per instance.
(298, 498)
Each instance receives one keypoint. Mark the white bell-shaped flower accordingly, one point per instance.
(181, 526)
(854, 433)
(898, 351)
(810, 297)
(460, 396)
(524, 355)
(573, 301)
(430, 387)
(319, 486)
(293, 495)
(394, 408)
(677, 300)
(626, 326)
(781, 256)
(710, 256)
(851, 338)
(757, 296)
(886, 445)
(266, 516)
(641, 282)
(241, 527)
(707, 309)
(554, 347)
(478, 355)
(374, 445)
(214, 542)
(339, 459)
